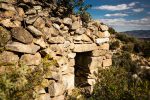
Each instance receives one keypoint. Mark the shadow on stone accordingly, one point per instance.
(82, 71)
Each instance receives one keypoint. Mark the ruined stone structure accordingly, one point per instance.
(28, 33)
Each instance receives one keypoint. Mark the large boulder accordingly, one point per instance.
(24, 48)
(22, 35)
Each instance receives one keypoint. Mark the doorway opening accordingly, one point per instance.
(82, 62)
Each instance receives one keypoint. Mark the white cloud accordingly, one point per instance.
(116, 7)
(148, 12)
(121, 24)
(133, 3)
(138, 10)
(124, 22)
(116, 15)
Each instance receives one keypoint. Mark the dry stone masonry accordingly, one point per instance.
(29, 32)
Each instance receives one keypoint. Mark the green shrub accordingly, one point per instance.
(125, 38)
(124, 60)
(18, 82)
(114, 45)
(116, 84)
(111, 30)
(128, 47)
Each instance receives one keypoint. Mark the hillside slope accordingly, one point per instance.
(138, 33)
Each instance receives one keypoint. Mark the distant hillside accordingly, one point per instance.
(139, 33)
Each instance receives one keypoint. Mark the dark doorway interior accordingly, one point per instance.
(82, 62)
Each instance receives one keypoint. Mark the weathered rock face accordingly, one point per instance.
(21, 35)
(24, 48)
(29, 34)
(4, 36)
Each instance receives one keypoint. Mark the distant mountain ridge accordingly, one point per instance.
(139, 33)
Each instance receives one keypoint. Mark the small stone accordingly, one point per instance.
(41, 42)
(56, 26)
(31, 19)
(108, 56)
(104, 46)
(107, 34)
(7, 7)
(96, 53)
(56, 20)
(107, 62)
(61, 97)
(39, 89)
(24, 48)
(28, 59)
(66, 44)
(76, 25)
(8, 13)
(35, 31)
(20, 12)
(104, 27)
(45, 96)
(54, 32)
(85, 38)
(91, 81)
(71, 63)
(68, 81)
(39, 23)
(80, 31)
(58, 40)
(21, 35)
(56, 89)
(4, 36)
(71, 55)
(7, 58)
(9, 23)
(30, 12)
(67, 21)
(101, 40)
(37, 7)
(95, 62)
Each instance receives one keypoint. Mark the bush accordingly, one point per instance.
(125, 38)
(18, 82)
(116, 84)
(124, 60)
(114, 45)
(128, 47)
(111, 30)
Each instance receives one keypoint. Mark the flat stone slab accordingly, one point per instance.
(24, 48)
(84, 47)
(101, 40)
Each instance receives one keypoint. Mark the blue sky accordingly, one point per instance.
(123, 15)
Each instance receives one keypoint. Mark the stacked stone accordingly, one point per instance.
(28, 32)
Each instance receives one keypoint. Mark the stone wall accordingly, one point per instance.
(29, 32)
